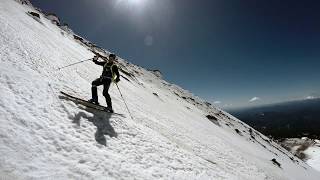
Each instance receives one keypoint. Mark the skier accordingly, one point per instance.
(110, 73)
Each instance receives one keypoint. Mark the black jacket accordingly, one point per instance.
(107, 71)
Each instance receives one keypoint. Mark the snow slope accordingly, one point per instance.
(45, 136)
(313, 155)
(306, 149)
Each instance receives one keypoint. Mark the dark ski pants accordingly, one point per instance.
(106, 84)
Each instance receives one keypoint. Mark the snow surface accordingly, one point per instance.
(313, 155)
(44, 136)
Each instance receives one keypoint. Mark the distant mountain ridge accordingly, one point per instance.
(288, 119)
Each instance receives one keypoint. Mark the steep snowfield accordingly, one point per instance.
(45, 136)
(313, 155)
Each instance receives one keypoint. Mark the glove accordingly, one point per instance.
(117, 80)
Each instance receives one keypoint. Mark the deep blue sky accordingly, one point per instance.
(227, 51)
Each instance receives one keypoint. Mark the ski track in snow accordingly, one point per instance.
(44, 136)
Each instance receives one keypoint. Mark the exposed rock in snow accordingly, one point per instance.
(54, 18)
(157, 73)
(34, 14)
(26, 2)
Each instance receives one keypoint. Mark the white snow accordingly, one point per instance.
(43, 136)
(313, 155)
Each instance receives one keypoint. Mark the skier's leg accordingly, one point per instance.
(94, 90)
(106, 86)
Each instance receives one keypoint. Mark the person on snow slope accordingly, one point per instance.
(110, 73)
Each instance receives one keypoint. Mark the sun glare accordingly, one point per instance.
(133, 2)
(135, 6)
(136, 2)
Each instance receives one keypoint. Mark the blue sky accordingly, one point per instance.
(223, 51)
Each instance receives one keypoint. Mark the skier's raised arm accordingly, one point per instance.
(95, 60)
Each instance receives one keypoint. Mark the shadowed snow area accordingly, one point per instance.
(43, 135)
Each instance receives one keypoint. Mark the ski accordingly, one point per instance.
(89, 104)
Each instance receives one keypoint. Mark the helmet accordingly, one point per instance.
(112, 56)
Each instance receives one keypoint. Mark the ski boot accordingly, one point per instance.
(109, 109)
(93, 101)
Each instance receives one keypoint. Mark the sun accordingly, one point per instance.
(136, 8)
(133, 2)
(136, 2)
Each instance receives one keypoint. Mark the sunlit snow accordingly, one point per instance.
(45, 136)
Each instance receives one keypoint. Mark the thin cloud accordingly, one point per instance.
(254, 99)
(217, 102)
(310, 97)
(227, 105)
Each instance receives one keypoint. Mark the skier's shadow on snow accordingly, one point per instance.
(100, 119)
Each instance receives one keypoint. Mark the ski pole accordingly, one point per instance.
(73, 64)
(124, 101)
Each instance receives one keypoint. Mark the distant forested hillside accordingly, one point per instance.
(289, 119)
